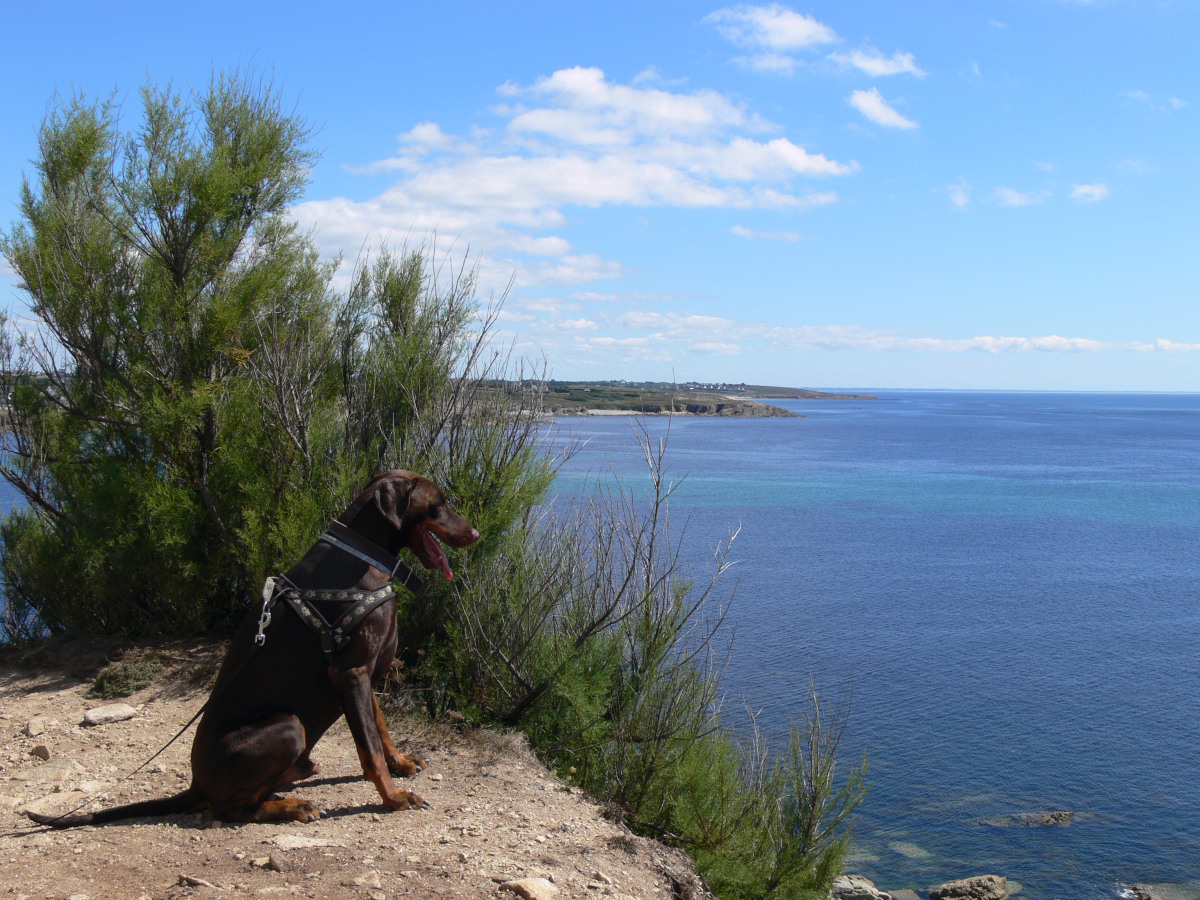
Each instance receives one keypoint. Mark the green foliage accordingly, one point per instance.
(132, 672)
(199, 400)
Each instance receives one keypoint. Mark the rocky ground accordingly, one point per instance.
(500, 825)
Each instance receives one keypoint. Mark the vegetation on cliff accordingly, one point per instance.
(691, 398)
(199, 399)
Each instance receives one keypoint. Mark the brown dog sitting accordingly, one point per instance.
(258, 729)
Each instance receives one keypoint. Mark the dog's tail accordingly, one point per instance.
(185, 801)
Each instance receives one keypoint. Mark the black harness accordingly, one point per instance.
(336, 635)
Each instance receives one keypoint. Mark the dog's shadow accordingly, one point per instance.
(361, 809)
(322, 782)
(202, 821)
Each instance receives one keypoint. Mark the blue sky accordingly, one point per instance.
(872, 194)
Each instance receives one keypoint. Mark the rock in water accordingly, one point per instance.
(856, 887)
(911, 851)
(1056, 817)
(1165, 891)
(981, 887)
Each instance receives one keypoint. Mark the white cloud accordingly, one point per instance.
(1011, 197)
(636, 336)
(960, 193)
(542, 305)
(597, 297)
(429, 134)
(582, 107)
(577, 268)
(681, 332)
(772, 33)
(777, 63)
(574, 139)
(1163, 345)
(872, 105)
(578, 325)
(1170, 104)
(774, 27)
(854, 338)
(1089, 193)
(875, 64)
(751, 234)
(721, 347)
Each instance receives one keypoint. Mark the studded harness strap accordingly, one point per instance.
(336, 635)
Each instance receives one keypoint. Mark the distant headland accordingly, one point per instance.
(695, 398)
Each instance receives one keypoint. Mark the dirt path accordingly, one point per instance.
(497, 815)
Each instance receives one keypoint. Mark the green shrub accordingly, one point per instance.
(198, 400)
(127, 675)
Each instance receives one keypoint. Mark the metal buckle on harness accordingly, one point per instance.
(264, 619)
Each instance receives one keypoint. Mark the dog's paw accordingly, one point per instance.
(406, 800)
(406, 764)
(303, 811)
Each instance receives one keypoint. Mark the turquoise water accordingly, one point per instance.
(1003, 589)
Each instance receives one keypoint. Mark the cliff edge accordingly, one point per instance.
(499, 824)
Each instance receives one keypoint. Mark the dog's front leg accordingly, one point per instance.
(358, 703)
(398, 763)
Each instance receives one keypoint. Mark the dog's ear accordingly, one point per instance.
(391, 499)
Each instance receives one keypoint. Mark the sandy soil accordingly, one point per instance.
(497, 814)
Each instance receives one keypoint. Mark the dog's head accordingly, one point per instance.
(420, 513)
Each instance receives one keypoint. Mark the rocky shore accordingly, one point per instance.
(990, 887)
(998, 887)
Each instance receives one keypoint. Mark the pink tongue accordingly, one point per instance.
(435, 552)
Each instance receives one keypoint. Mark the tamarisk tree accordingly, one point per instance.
(195, 399)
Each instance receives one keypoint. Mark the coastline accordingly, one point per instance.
(606, 398)
(582, 412)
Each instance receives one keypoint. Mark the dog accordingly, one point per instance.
(277, 696)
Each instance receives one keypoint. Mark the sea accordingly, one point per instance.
(999, 591)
